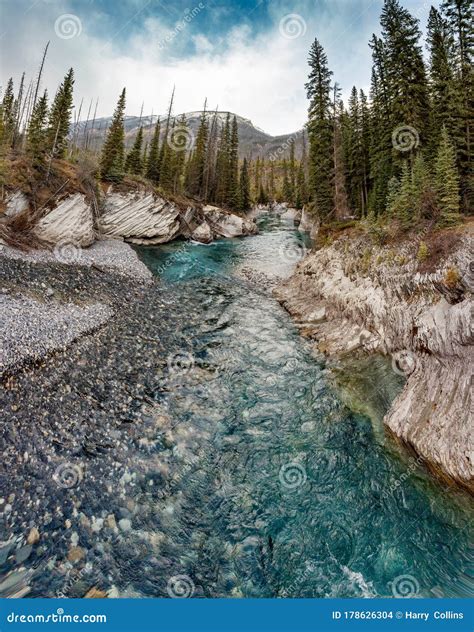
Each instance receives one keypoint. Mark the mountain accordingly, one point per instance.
(253, 141)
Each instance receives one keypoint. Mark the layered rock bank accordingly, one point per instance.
(351, 296)
(138, 215)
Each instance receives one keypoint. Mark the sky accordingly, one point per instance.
(245, 56)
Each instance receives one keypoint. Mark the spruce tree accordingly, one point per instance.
(393, 194)
(445, 106)
(404, 205)
(8, 115)
(286, 188)
(381, 125)
(460, 17)
(405, 69)
(292, 172)
(37, 130)
(301, 187)
(153, 165)
(222, 166)
(447, 182)
(112, 159)
(197, 166)
(320, 130)
(179, 159)
(60, 117)
(244, 187)
(133, 162)
(233, 196)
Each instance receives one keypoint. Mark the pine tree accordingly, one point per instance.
(405, 69)
(301, 187)
(60, 117)
(180, 155)
(422, 193)
(133, 162)
(460, 17)
(113, 151)
(222, 167)
(244, 187)
(320, 130)
(153, 165)
(445, 106)
(404, 211)
(341, 209)
(233, 196)
(166, 151)
(286, 189)
(197, 166)
(37, 130)
(8, 115)
(292, 172)
(447, 182)
(393, 194)
(381, 126)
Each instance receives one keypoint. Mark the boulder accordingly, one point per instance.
(71, 221)
(140, 218)
(202, 233)
(16, 204)
(225, 224)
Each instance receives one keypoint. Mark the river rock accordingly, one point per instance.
(33, 536)
(70, 222)
(225, 224)
(140, 217)
(202, 233)
(75, 554)
(95, 593)
(22, 554)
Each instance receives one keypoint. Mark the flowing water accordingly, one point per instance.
(284, 490)
(255, 473)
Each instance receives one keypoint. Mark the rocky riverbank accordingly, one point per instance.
(136, 214)
(352, 296)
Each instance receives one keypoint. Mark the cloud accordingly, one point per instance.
(257, 72)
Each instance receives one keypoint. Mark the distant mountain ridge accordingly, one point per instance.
(253, 141)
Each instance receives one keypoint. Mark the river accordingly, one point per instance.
(253, 474)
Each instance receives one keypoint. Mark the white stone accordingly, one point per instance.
(140, 218)
(71, 221)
